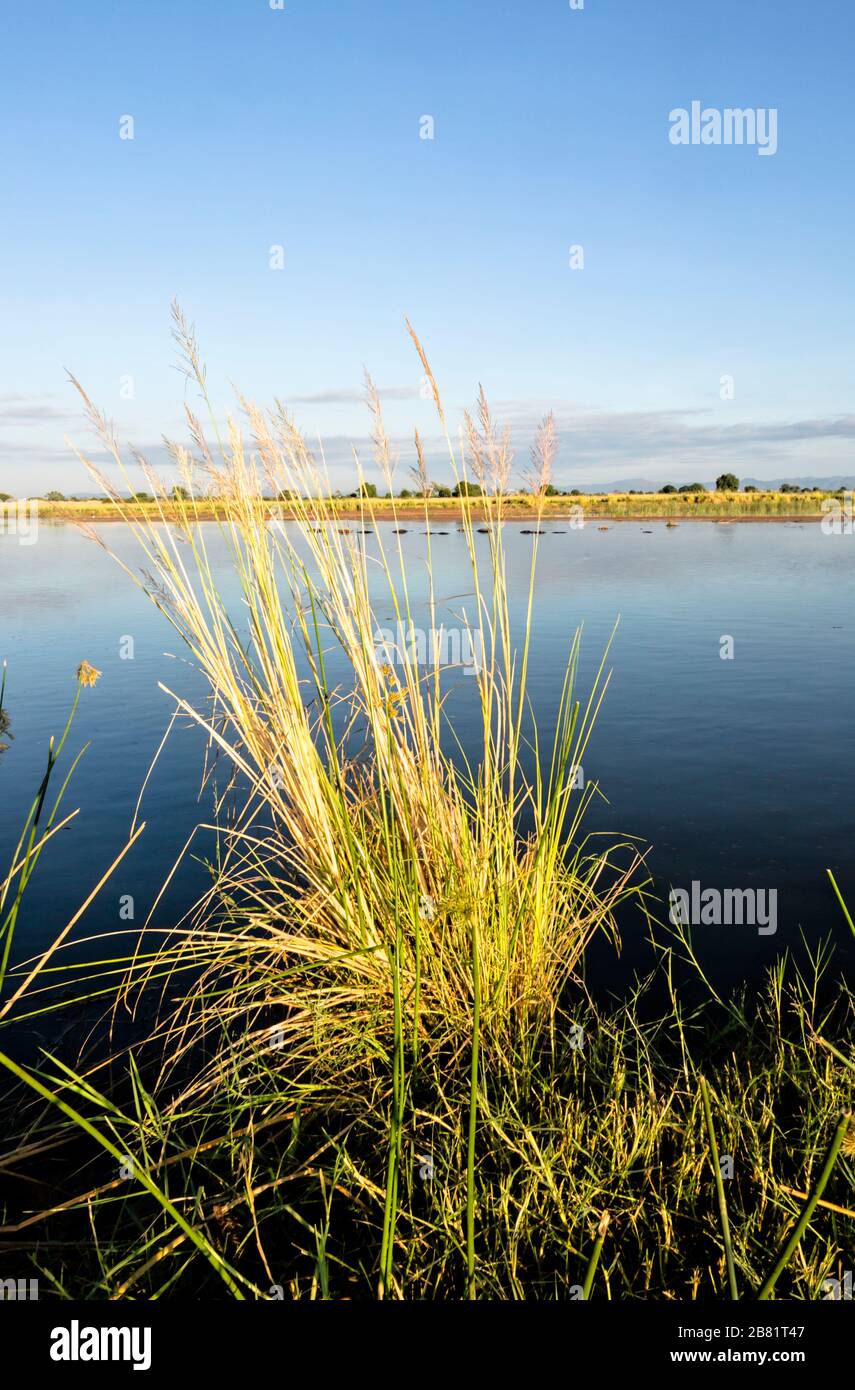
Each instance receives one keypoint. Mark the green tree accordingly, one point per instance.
(727, 482)
(440, 490)
(669, 487)
(180, 494)
(55, 496)
(465, 489)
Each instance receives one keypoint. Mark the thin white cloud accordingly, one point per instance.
(352, 395)
(18, 408)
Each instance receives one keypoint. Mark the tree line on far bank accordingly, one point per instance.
(726, 482)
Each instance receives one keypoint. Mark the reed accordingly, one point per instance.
(42, 822)
(809, 1208)
(591, 1271)
(719, 1188)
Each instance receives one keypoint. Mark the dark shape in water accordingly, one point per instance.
(399, 531)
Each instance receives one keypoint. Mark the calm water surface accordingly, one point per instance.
(737, 773)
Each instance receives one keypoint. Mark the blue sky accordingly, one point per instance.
(300, 127)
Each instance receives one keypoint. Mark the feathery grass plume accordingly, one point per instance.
(87, 675)
(429, 376)
(490, 450)
(384, 455)
(419, 471)
(543, 455)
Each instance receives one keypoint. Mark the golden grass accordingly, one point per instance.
(618, 506)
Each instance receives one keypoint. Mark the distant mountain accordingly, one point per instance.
(836, 480)
(829, 484)
(625, 484)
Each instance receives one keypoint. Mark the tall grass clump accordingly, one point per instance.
(395, 921)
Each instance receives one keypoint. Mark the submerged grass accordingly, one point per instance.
(367, 1064)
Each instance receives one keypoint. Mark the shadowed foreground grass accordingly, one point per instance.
(367, 1064)
(264, 1193)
